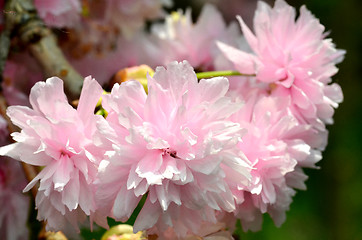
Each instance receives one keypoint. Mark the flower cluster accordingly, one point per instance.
(196, 154)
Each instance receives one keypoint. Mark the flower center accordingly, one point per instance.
(65, 153)
(170, 152)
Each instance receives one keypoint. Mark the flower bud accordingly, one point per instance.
(122, 232)
(138, 73)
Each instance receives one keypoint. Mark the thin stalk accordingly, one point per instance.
(211, 74)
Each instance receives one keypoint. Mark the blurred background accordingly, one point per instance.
(331, 208)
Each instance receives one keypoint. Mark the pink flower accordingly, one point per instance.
(59, 13)
(131, 15)
(14, 204)
(59, 138)
(294, 57)
(173, 40)
(105, 52)
(276, 147)
(172, 144)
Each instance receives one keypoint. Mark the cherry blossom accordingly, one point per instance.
(294, 57)
(172, 144)
(58, 137)
(173, 42)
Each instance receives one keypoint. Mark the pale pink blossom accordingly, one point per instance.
(14, 204)
(294, 57)
(59, 138)
(105, 50)
(59, 13)
(173, 144)
(174, 41)
(275, 145)
(248, 89)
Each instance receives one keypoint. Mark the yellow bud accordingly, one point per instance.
(138, 73)
(122, 232)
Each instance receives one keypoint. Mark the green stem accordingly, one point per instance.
(211, 74)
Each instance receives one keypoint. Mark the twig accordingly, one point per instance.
(4, 50)
(5, 45)
(53, 62)
(212, 74)
(32, 32)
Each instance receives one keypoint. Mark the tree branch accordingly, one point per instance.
(4, 44)
(24, 23)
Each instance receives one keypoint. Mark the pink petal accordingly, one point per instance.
(244, 62)
(89, 97)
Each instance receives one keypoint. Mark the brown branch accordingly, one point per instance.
(54, 63)
(22, 19)
(5, 43)
(4, 50)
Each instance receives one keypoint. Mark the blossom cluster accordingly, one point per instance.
(197, 153)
